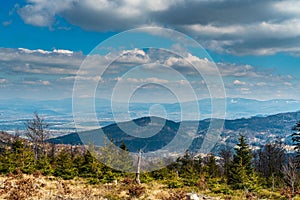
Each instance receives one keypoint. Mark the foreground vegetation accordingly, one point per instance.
(21, 186)
(46, 171)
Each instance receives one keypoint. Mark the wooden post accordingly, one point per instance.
(137, 175)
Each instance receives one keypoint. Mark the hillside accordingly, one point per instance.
(259, 130)
(58, 113)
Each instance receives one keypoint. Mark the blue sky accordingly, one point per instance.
(255, 44)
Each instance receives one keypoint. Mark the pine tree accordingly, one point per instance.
(241, 173)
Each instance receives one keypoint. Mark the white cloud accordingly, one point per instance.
(63, 51)
(238, 82)
(245, 89)
(82, 78)
(3, 80)
(133, 56)
(235, 27)
(37, 82)
(261, 84)
(34, 51)
(146, 80)
(42, 12)
(46, 71)
(288, 84)
(288, 7)
(40, 61)
(7, 23)
(58, 51)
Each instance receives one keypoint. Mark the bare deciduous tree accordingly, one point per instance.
(36, 131)
(289, 171)
(269, 160)
(226, 158)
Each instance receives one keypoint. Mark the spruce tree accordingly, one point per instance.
(43, 165)
(241, 174)
(18, 157)
(64, 165)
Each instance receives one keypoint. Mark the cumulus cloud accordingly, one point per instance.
(137, 56)
(42, 12)
(235, 27)
(37, 72)
(53, 73)
(238, 82)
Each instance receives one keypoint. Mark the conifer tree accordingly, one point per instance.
(241, 173)
(43, 164)
(19, 156)
(115, 157)
(88, 165)
(212, 167)
(64, 165)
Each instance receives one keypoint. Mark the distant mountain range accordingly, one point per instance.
(58, 113)
(259, 130)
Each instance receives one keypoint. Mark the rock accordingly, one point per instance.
(192, 196)
(115, 182)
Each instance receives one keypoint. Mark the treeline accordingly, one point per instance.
(238, 168)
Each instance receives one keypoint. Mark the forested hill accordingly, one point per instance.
(259, 131)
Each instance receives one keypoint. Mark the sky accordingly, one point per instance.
(252, 45)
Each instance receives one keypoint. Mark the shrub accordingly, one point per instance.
(93, 181)
(175, 183)
(136, 190)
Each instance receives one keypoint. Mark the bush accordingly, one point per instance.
(146, 178)
(190, 181)
(217, 186)
(264, 193)
(175, 183)
(136, 190)
(221, 189)
(93, 181)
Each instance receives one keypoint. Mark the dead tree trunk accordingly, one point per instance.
(137, 175)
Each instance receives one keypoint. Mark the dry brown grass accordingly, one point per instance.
(37, 187)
